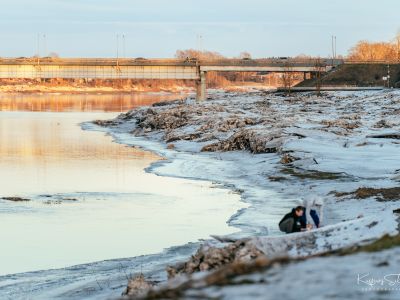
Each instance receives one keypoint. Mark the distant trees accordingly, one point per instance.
(397, 42)
(217, 79)
(54, 55)
(192, 53)
(245, 55)
(367, 51)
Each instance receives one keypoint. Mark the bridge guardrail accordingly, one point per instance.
(161, 62)
(189, 61)
(376, 61)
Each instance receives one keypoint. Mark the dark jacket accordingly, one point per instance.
(297, 224)
(314, 216)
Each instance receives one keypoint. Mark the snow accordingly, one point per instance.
(356, 159)
(334, 277)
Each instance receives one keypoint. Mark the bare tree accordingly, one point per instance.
(287, 78)
(318, 70)
(367, 51)
(245, 55)
(192, 53)
(54, 55)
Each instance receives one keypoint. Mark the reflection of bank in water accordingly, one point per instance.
(89, 198)
(81, 102)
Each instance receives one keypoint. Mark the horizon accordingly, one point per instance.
(87, 28)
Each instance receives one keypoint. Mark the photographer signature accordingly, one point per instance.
(386, 280)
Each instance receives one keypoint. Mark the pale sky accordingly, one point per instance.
(156, 28)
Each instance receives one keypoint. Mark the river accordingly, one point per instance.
(90, 198)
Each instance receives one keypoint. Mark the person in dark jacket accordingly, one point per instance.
(313, 211)
(291, 222)
(314, 217)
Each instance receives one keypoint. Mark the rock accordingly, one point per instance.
(210, 258)
(207, 137)
(171, 146)
(382, 194)
(15, 199)
(234, 122)
(393, 135)
(185, 137)
(248, 139)
(341, 123)
(382, 124)
(105, 123)
(287, 159)
(163, 120)
(277, 178)
(166, 103)
(138, 286)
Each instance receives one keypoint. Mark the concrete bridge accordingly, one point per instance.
(140, 68)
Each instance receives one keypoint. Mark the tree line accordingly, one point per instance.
(369, 51)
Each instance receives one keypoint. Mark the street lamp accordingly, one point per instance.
(44, 45)
(123, 46)
(117, 47)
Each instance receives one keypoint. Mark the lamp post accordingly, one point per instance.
(335, 47)
(38, 47)
(123, 46)
(117, 47)
(44, 45)
(333, 40)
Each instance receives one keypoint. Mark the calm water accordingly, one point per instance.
(90, 199)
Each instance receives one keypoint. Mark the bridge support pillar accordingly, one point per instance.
(201, 87)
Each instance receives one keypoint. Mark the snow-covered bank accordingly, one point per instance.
(280, 150)
(302, 145)
(366, 272)
(276, 150)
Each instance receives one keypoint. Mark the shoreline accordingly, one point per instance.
(297, 175)
(174, 254)
(90, 91)
(105, 90)
(182, 143)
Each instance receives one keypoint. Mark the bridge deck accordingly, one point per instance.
(141, 68)
(163, 62)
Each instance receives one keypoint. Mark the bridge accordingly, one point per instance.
(141, 68)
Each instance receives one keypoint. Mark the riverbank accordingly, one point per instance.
(358, 75)
(112, 86)
(272, 150)
(82, 89)
(275, 150)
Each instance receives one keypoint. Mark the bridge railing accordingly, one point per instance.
(375, 61)
(94, 61)
(283, 61)
(167, 62)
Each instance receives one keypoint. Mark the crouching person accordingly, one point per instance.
(313, 212)
(291, 222)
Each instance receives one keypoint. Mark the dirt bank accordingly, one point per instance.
(362, 75)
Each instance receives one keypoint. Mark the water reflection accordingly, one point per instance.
(78, 102)
(117, 210)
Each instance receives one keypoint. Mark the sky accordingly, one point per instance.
(157, 28)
